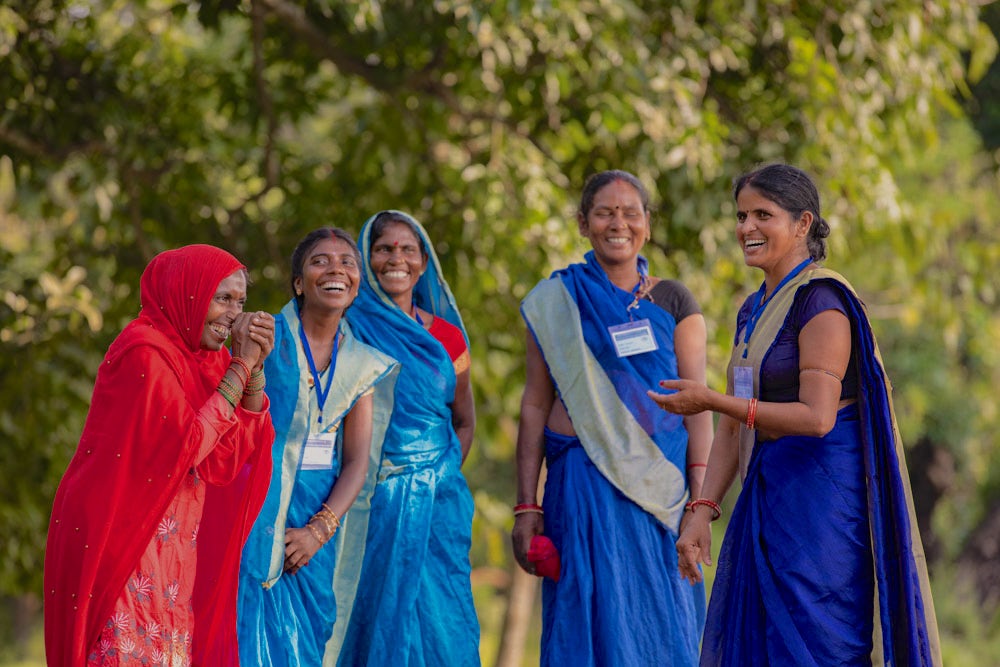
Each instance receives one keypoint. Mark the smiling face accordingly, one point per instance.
(771, 238)
(330, 277)
(225, 305)
(397, 259)
(617, 224)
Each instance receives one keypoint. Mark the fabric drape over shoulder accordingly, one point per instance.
(639, 447)
(141, 437)
(414, 601)
(856, 476)
(615, 492)
(290, 619)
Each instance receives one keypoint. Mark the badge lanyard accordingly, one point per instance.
(759, 305)
(321, 392)
(635, 336)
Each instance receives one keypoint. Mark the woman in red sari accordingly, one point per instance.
(178, 429)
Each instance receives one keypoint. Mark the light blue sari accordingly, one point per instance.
(614, 494)
(414, 603)
(289, 619)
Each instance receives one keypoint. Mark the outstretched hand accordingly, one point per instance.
(687, 397)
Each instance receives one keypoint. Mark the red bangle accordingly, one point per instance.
(527, 508)
(752, 413)
(242, 364)
(710, 504)
(697, 465)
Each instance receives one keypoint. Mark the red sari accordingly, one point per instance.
(132, 569)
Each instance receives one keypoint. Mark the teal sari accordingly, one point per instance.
(289, 619)
(414, 604)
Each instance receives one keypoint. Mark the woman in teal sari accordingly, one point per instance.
(821, 562)
(329, 394)
(414, 603)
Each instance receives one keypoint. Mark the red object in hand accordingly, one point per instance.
(544, 555)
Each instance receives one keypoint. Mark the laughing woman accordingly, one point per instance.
(414, 605)
(149, 519)
(821, 562)
(619, 469)
(326, 389)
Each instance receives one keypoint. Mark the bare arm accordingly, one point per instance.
(463, 412)
(824, 348)
(689, 345)
(301, 543)
(536, 404)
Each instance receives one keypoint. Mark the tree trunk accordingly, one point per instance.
(520, 607)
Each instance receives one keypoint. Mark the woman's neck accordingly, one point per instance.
(624, 276)
(320, 327)
(774, 277)
(405, 302)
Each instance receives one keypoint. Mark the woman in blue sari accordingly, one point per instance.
(329, 393)
(821, 563)
(414, 601)
(619, 469)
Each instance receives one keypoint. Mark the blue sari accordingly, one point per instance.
(821, 564)
(414, 603)
(289, 619)
(614, 493)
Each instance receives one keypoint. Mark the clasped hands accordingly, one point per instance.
(253, 337)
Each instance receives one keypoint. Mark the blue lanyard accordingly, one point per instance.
(321, 392)
(759, 305)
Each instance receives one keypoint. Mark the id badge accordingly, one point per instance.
(318, 452)
(743, 381)
(633, 338)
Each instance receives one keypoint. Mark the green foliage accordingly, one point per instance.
(131, 126)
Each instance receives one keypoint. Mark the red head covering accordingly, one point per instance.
(141, 437)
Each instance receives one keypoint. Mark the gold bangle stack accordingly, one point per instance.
(328, 519)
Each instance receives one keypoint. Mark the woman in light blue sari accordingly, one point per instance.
(619, 469)
(821, 562)
(330, 398)
(414, 602)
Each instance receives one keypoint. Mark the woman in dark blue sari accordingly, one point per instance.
(619, 470)
(821, 563)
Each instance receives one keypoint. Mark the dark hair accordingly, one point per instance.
(308, 243)
(597, 181)
(385, 218)
(793, 190)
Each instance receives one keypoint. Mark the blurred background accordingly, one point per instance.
(131, 126)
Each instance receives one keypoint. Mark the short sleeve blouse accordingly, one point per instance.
(779, 376)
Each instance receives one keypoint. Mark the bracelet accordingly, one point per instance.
(241, 364)
(697, 465)
(316, 534)
(229, 399)
(752, 413)
(711, 504)
(527, 508)
(255, 384)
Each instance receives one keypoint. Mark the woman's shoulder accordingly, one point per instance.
(450, 336)
(674, 297)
